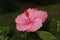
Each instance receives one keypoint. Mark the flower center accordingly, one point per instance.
(27, 14)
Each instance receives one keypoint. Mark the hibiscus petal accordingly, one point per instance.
(34, 13)
(20, 27)
(20, 19)
(42, 15)
(37, 24)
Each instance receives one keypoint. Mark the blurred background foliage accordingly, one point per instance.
(9, 5)
(9, 9)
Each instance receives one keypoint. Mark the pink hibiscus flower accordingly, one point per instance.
(31, 20)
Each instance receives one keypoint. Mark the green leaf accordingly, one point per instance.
(46, 35)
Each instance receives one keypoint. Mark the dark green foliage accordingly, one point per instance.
(2, 37)
(4, 30)
(9, 5)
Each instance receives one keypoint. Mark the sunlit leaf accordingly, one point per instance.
(46, 35)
